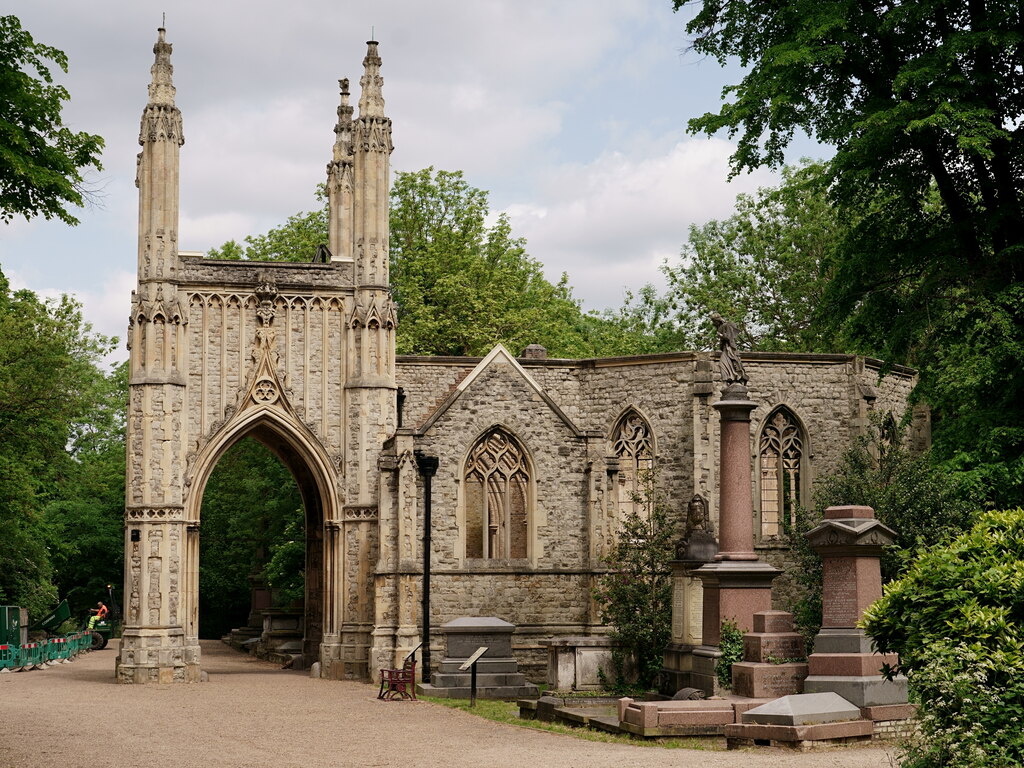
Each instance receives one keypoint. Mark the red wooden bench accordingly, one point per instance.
(399, 683)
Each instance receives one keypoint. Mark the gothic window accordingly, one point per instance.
(633, 444)
(781, 461)
(497, 497)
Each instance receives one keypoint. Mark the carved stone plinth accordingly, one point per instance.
(850, 542)
(157, 656)
(773, 655)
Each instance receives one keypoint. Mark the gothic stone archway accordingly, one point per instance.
(299, 355)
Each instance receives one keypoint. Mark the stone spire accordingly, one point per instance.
(160, 135)
(371, 98)
(161, 90)
(370, 388)
(339, 181)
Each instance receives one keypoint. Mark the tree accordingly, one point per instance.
(763, 266)
(462, 286)
(956, 619)
(84, 517)
(250, 503)
(49, 383)
(924, 104)
(41, 159)
(636, 593)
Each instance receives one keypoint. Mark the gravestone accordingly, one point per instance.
(850, 542)
(498, 675)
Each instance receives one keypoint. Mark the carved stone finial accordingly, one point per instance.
(161, 89)
(371, 98)
(729, 362)
(161, 119)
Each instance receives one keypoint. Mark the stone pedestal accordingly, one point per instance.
(850, 542)
(772, 663)
(498, 675)
(281, 639)
(576, 663)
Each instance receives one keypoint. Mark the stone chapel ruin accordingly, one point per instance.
(536, 457)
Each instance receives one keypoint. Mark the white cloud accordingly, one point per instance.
(611, 223)
(570, 114)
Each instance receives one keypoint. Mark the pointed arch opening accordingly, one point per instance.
(291, 603)
(498, 498)
(782, 464)
(632, 443)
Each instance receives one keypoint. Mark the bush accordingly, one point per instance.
(636, 594)
(731, 645)
(957, 621)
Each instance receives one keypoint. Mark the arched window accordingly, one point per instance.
(497, 497)
(781, 460)
(633, 443)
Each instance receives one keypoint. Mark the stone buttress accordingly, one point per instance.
(158, 541)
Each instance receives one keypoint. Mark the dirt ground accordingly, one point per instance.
(253, 715)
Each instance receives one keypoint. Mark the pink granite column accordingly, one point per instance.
(735, 509)
(737, 584)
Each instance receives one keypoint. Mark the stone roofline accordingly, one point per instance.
(807, 358)
(199, 272)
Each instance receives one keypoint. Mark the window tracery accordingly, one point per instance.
(633, 444)
(497, 497)
(781, 461)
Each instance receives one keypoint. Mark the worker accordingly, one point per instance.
(99, 613)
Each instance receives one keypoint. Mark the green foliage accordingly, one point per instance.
(85, 519)
(49, 384)
(956, 618)
(250, 502)
(636, 593)
(462, 286)
(975, 374)
(731, 646)
(924, 103)
(41, 160)
(762, 266)
(921, 502)
(285, 571)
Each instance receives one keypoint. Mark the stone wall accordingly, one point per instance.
(564, 419)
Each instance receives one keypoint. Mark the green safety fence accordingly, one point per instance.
(57, 649)
(32, 655)
(84, 641)
(9, 654)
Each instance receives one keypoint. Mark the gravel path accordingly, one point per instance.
(253, 715)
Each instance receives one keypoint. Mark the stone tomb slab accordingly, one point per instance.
(803, 709)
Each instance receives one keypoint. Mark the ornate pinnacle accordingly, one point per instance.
(371, 99)
(161, 90)
(343, 129)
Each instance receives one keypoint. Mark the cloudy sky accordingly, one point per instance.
(571, 113)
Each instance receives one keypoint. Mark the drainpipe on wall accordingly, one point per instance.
(427, 467)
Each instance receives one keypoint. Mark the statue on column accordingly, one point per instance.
(729, 361)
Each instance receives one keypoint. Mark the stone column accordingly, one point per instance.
(737, 585)
(736, 511)
(850, 542)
